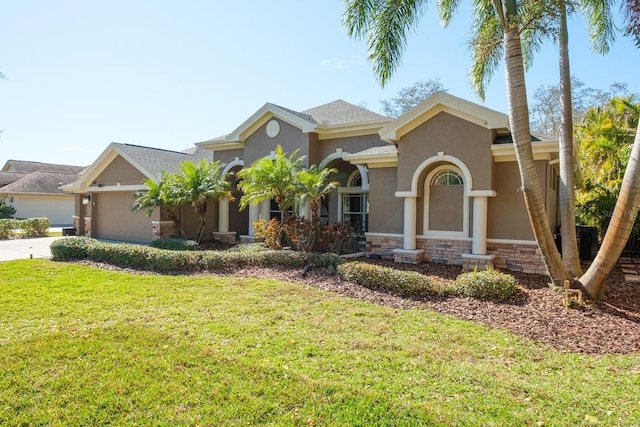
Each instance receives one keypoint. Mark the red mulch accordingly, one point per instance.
(610, 326)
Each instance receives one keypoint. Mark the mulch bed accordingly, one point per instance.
(610, 326)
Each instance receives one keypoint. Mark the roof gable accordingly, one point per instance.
(150, 162)
(438, 103)
(334, 119)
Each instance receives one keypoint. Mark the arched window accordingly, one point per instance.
(355, 204)
(445, 204)
(447, 177)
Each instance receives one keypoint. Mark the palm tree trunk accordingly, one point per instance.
(521, 134)
(624, 216)
(176, 222)
(570, 254)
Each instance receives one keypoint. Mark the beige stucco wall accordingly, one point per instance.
(508, 217)
(454, 136)
(228, 156)
(353, 144)
(385, 210)
(120, 170)
(446, 208)
(259, 144)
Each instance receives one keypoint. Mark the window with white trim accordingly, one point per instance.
(355, 204)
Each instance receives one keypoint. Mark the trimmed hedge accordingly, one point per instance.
(174, 244)
(403, 283)
(490, 284)
(147, 258)
(487, 284)
(6, 228)
(32, 227)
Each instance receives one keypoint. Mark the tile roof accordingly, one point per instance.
(26, 166)
(340, 112)
(40, 182)
(157, 160)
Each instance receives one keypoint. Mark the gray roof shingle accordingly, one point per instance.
(9, 177)
(40, 182)
(157, 160)
(27, 166)
(340, 113)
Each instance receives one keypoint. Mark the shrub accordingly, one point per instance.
(147, 258)
(34, 227)
(270, 231)
(403, 283)
(174, 244)
(335, 235)
(488, 284)
(72, 248)
(6, 228)
(6, 211)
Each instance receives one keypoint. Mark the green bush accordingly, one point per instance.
(147, 258)
(72, 248)
(174, 244)
(6, 211)
(488, 284)
(6, 228)
(34, 227)
(403, 283)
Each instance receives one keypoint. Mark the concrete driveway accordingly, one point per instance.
(23, 248)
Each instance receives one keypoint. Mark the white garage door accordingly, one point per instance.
(116, 221)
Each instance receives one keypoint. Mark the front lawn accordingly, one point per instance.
(85, 346)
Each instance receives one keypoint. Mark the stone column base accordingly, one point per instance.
(408, 256)
(472, 262)
(226, 237)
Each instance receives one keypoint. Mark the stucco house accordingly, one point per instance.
(439, 183)
(34, 190)
(105, 191)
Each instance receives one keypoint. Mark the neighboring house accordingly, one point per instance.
(440, 183)
(106, 190)
(33, 189)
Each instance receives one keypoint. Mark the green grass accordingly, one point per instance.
(83, 346)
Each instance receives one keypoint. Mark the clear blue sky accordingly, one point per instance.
(82, 74)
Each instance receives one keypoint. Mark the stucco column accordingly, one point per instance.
(223, 215)
(265, 210)
(254, 213)
(479, 245)
(305, 210)
(409, 238)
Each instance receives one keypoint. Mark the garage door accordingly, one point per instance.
(116, 221)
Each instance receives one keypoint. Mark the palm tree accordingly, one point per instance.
(195, 184)
(271, 178)
(313, 185)
(156, 196)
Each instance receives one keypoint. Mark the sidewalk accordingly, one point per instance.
(26, 248)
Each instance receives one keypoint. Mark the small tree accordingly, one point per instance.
(271, 178)
(157, 196)
(195, 184)
(6, 211)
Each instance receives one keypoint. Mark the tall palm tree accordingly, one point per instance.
(156, 196)
(195, 184)
(271, 178)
